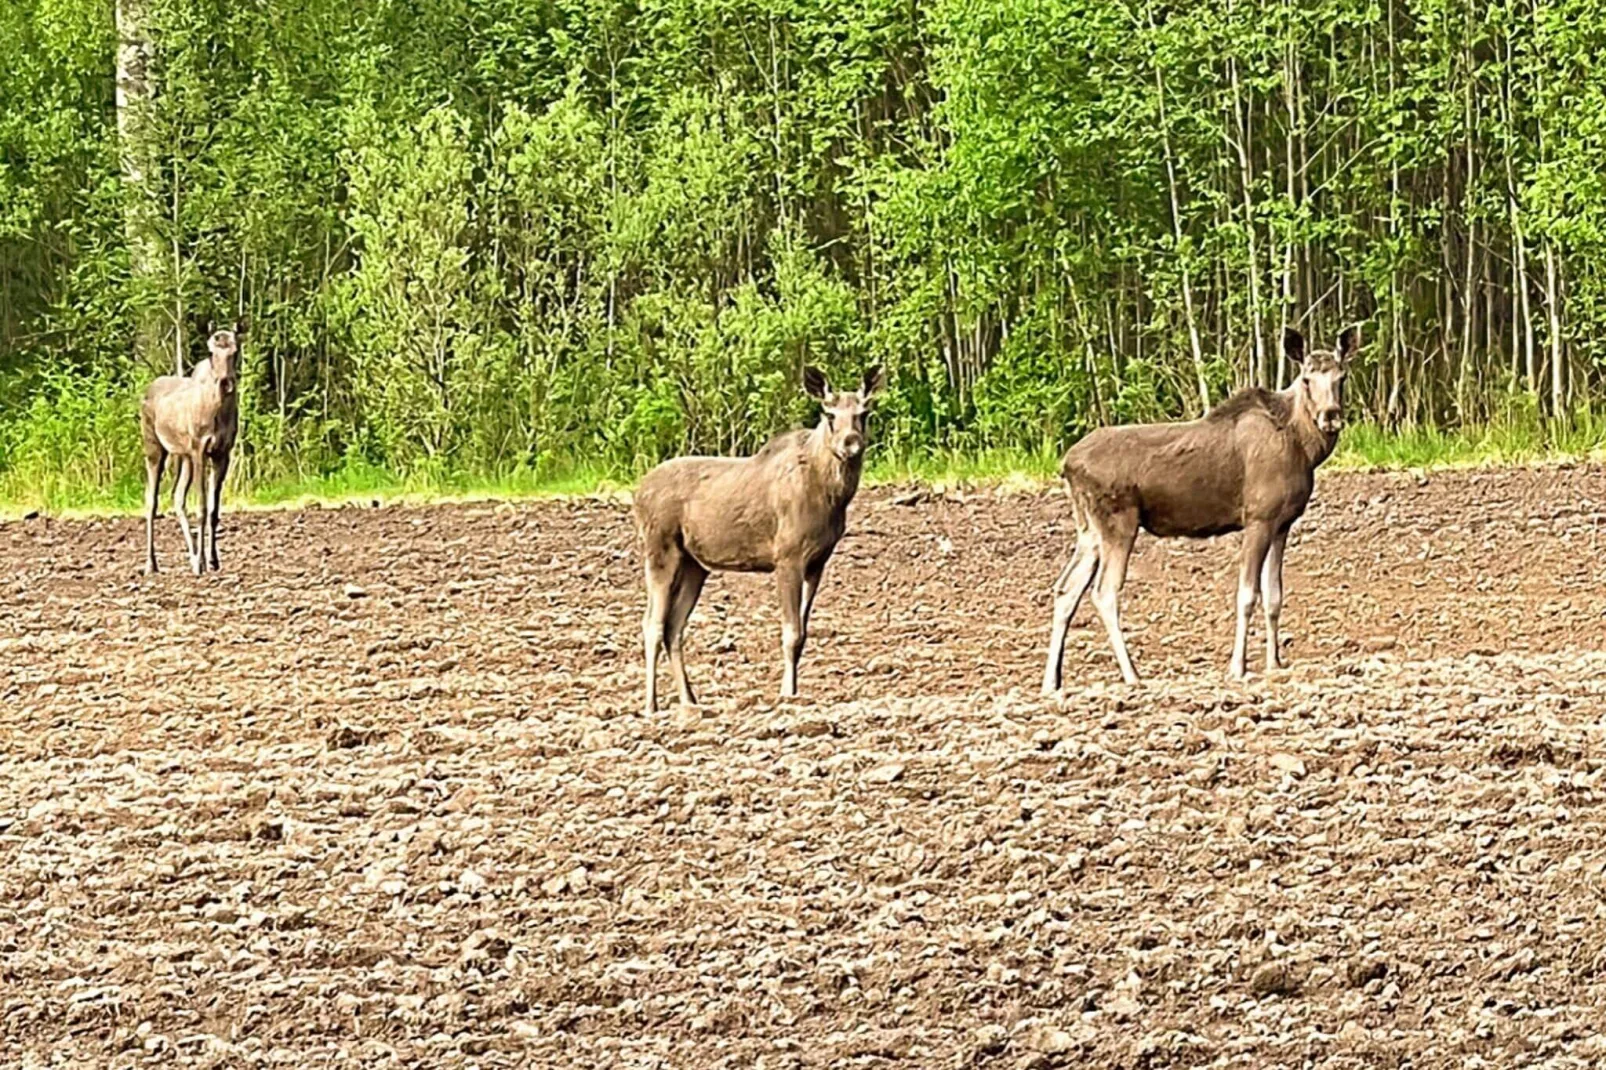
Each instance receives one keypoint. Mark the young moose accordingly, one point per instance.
(782, 510)
(1247, 465)
(197, 420)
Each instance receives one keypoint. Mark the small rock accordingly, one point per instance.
(1123, 1006)
(489, 941)
(1360, 971)
(346, 736)
(1378, 644)
(579, 879)
(1354, 1035)
(885, 774)
(1276, 978)
(353, 591)
(471, 882)
(462, 800)
(991, 1039)
(1291, 764)
(267, 828)
(1052, 1041)
(813, 726)
(220, 914)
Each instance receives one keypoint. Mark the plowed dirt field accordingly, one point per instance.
(381, 794)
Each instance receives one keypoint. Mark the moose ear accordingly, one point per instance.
(1349, 343)
(242, 324)
(1294, 345)
(211, 328)
(814, 384)
(874, 380)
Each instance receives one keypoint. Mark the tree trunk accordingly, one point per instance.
(1558, 382)
(1246, 180)
(1176, 230)
(137, 151)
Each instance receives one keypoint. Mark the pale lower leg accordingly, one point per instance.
(789, 585)
(1107, 598)
(1068, 592)
(1271, 593)
(181, 491)
(653, 627)
(1257, 541)
(1247, 594)
(687, 587)
(153, 481)
(206, 515)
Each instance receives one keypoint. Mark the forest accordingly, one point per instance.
(495, 235)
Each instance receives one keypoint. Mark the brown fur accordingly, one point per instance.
(196, 419)
(1247, 465)
(782, 510)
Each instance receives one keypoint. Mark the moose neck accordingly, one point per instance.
(227, 400)
(1315, 443)
(837, 477)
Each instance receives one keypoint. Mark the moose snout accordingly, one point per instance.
(852, 445)
(1330, 420)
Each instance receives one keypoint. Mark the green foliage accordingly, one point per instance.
(512, 241)
(71, 446)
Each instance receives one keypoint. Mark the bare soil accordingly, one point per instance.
(381, 794)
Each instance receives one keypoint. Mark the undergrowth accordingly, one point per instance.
(75, 454)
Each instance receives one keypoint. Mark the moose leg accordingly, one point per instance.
(181, 491)
(1116, 535)
(1257, 541)
(789, 585)
(661, 568)
(206, 513)
(1271, 595)
(811, 587)
(1072, 584)
(155, 461)
(688, 585)
(220, 468)
(214, 490)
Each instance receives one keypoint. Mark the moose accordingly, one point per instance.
(780, 511)
(1247, 465)
(196, 419)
